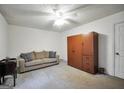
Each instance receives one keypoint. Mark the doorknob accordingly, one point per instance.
(117, 53)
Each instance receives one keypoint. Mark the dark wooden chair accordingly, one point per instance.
(2, 71)
(8, 67)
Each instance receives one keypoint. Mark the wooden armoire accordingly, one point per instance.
(83, 52)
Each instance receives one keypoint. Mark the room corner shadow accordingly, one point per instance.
(103, 55)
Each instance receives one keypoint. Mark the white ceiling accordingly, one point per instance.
(41, 15)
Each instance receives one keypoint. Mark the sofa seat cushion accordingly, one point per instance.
(49, 60)
(40, 61)
(34, 62)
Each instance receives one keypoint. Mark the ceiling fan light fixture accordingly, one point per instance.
(60, 22)
(60, 18)
(59, 14)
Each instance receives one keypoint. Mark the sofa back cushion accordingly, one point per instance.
(46, 54)
(33, 55)
(26, 56)
(52, 54)
(39, 55)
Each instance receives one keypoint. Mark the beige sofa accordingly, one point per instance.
(39, 60)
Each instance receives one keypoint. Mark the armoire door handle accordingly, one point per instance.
(73, 51)
(82, 44)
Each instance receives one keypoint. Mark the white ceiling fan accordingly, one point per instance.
(58, 14)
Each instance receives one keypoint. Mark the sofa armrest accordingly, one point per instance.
(57, 57)
(21, 63)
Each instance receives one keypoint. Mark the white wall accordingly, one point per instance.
(105, 28)
(3, 37)
(24, 39)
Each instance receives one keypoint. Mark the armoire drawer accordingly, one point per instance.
(87, 63)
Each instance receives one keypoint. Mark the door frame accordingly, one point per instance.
(115, 44)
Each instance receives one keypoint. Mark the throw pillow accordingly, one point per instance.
(52, 54)
(22, 55)
(27, 56)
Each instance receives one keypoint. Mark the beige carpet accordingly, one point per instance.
(63, 76)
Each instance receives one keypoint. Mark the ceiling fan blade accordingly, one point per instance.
(33, 13)
(49, 24)
(36, 13)
(72, 21)
(77, 8)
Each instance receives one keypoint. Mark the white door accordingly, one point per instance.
(119, 50)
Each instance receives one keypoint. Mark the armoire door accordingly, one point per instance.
(75, 51)
(70, 51)
(90, 53)
(88, 44)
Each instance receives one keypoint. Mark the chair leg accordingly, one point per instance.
(16, 74)
(14, 79)
(3, 79)
(0, 80)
